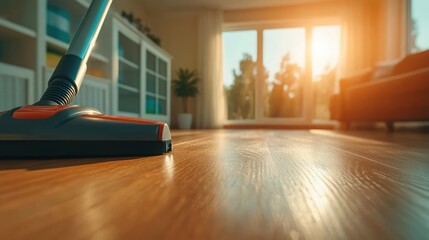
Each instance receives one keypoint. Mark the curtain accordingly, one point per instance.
(210, 100)
(372, 32)
(359, 35)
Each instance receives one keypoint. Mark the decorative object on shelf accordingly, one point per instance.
(141, 27)
(95, 72)
(185, 86)
(58, 23)
(52, 59)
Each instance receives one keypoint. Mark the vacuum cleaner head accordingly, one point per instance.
(54, 128)
(73, 131)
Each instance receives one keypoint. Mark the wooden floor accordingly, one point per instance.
(229, 184)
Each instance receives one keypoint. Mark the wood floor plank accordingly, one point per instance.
(351, 195)
(228, 184)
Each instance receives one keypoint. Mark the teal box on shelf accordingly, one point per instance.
(58, 23)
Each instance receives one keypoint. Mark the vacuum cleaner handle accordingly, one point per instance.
(67, 78)
(89, 28)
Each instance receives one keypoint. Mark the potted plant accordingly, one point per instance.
(185, 87)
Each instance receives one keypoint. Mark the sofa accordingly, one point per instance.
(387, 93)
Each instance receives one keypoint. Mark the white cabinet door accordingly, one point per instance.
(127, 71)
(156, 84)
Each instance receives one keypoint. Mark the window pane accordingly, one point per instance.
(128, 49)
(325, 54)
(128, 75)
(284, 63)
(162, 67)
(128, 101)
(239, 73)
(151, 61)
(419, 25)
(162, 87)
(162, 107)
(150, 104)
(150, 83)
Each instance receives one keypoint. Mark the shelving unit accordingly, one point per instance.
(18, 38)
(141, 74)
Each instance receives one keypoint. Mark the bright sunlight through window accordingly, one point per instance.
(325, 49)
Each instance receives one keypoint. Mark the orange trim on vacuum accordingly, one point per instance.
(37, 112)
(160, 131)
(131, 120)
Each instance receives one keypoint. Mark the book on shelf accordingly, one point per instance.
(58, 23)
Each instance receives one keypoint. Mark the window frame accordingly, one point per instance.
(307, 117)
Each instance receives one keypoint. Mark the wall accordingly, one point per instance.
(138, 9)
(179, 36)
(302, 12)
(373, 32)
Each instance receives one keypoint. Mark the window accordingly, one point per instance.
(419, 25)
(284, 63)
(280, 74)
(239, 73)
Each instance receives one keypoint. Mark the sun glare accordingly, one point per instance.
(325, 49)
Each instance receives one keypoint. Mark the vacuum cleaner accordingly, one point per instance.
(52, 127)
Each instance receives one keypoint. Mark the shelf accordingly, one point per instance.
(13, 29)
(99, 57)
(72, 6)
(83, 3)
(92, 77)
(131, 89)
(62, 46)
(129, 63)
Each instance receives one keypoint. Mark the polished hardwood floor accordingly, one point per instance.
(229, 184)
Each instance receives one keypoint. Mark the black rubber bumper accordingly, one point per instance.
(39, 149)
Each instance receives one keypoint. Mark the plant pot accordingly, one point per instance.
(185, 120)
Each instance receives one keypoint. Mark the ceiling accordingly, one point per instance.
(221, 4)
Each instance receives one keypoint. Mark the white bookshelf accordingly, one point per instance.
(139, 80)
